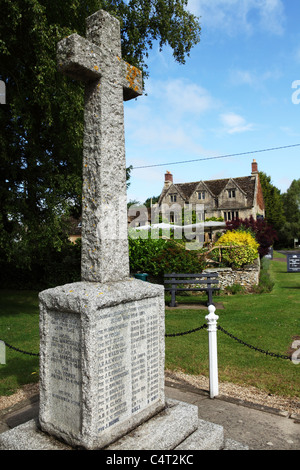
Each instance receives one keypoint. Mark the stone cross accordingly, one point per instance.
(108, 80)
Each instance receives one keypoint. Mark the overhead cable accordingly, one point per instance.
(214, 158)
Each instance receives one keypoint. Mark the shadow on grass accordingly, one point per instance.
(18, 370)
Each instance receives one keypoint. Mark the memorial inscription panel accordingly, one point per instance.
(128, 360)
(64, 362)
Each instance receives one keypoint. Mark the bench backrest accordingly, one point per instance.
(201, 278)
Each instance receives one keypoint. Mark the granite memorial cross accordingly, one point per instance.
(108, 80)
(101, 339)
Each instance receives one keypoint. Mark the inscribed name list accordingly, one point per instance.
(126, 361)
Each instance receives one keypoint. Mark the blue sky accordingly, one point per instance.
(233, 95)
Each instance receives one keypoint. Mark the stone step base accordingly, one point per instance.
(175, 428)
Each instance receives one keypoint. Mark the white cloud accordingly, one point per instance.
(233, 16)
(252, 77)
(180, 96)
(170, 117)
(297, 54)
(234, 123)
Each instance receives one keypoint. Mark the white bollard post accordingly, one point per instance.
(2, 352)
(213, 354)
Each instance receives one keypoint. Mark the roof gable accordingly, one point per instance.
(246, 184)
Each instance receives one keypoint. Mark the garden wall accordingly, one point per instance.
(248, 276)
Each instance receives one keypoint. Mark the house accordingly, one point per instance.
(74, 229)
(228, 199)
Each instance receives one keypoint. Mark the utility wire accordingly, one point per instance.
(220, 156)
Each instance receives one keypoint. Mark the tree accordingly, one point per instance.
(41, 126)
(151, 200)
(273, 203)
(291, 204)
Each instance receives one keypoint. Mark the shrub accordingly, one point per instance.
(157, 257)
(264, 234)
(242, 248)
(235, 289)
(266, 284)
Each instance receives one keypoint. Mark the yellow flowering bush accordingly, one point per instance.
(242, 248)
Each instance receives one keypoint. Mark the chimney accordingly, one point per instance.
(254, 168)
(168, 179)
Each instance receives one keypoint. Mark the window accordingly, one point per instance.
(231, 215)
(231, 193)
(173, 197)
(201, 195)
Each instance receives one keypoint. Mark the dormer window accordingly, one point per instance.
(173, 197)
(231, 193)
(201, 194)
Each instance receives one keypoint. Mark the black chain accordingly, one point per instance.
(268, 353)
(281, 356)
(20, 350)
(187, 332)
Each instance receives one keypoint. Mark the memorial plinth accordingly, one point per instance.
(103, 360)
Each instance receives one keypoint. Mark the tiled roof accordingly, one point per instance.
(246, 184)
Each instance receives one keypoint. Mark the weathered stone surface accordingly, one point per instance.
(102, 359)
(208, 436)
(27, 436)
(177, 427)
(165, 431)
(97, 62)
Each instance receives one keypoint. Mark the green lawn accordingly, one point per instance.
(267, 321)
(19, 327)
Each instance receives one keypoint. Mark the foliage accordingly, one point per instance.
(157, 257)
(153, 200)
(242, 248)
(235, 289)
(264, 234)
(215, 219)
(274, 209)
(291, 204)
(41, 126)
(54, 268)
(266, 283)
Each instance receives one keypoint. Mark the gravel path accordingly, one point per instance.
(250, 394)
(247, 393)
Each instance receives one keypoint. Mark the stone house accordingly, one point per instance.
(228, 198)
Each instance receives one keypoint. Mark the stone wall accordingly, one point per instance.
(248, 276)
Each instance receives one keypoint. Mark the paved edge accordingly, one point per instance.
(19, 407)
(236, 401)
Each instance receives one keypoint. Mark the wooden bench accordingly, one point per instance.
(208, 280)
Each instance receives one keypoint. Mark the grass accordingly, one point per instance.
(268, 321)
(19, 327)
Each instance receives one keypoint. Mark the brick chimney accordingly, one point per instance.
(168, 179)
(254, 168)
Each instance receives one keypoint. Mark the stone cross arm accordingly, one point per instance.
(80, 59)
(96, 61)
